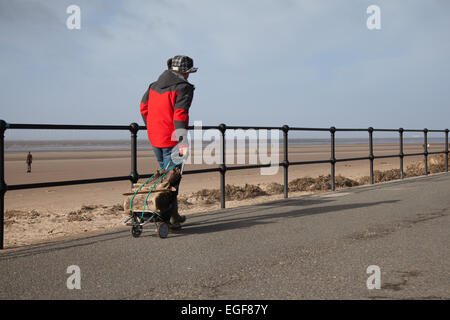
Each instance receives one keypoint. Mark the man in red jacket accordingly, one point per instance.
(165, 111)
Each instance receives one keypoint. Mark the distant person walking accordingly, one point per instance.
(165, 111)
(29, 161)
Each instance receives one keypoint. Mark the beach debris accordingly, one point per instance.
(79, 215)
(9, 222)
(13, 216)
(381, 176)
(248, 191)
(436, 164)
(232, 192)
(272, 188)
(87, 212)
(321, 183)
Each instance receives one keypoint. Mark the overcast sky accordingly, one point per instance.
(301, 63)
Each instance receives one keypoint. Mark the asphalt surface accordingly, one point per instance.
(313, 247)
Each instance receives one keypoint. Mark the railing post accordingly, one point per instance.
(134, 176)
(446, 150)
(425, 150)
(333, 158)
(371, 156)
(285, 161)
(3, 186)
(401, 155)
(223, 167)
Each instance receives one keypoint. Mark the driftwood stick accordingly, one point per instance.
(145, 192)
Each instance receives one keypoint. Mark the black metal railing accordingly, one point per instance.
(134, 176)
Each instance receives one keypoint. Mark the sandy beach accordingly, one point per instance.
(44, 214)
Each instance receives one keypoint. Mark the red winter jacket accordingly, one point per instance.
(165, 109)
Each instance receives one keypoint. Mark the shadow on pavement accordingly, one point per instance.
(236, 220)
(227, 219)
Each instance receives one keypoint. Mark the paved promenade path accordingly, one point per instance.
(314, 247)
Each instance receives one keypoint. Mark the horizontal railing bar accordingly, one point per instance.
(308, 129)
(413, 154)
(413, 130)
(352, 159)
(205, 128)
(190, 128)
(297, 163)
(253, 127)
(386, 130)
(148, 175)
(65, 183)
(122, 127)
(66, 127)
(255, 166)
(350, 129)
(386, 156)
(438, 152)
(201, 171)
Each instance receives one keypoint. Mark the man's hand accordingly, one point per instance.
(183, 149)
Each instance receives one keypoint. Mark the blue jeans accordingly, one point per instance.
(163, 155)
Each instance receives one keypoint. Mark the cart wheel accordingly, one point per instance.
(163, 230)
(136, 231)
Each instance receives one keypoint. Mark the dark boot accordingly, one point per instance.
(175, 218)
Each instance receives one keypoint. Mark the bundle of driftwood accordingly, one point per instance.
(161, 198)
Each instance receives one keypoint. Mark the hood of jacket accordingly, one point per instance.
(170, 78)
